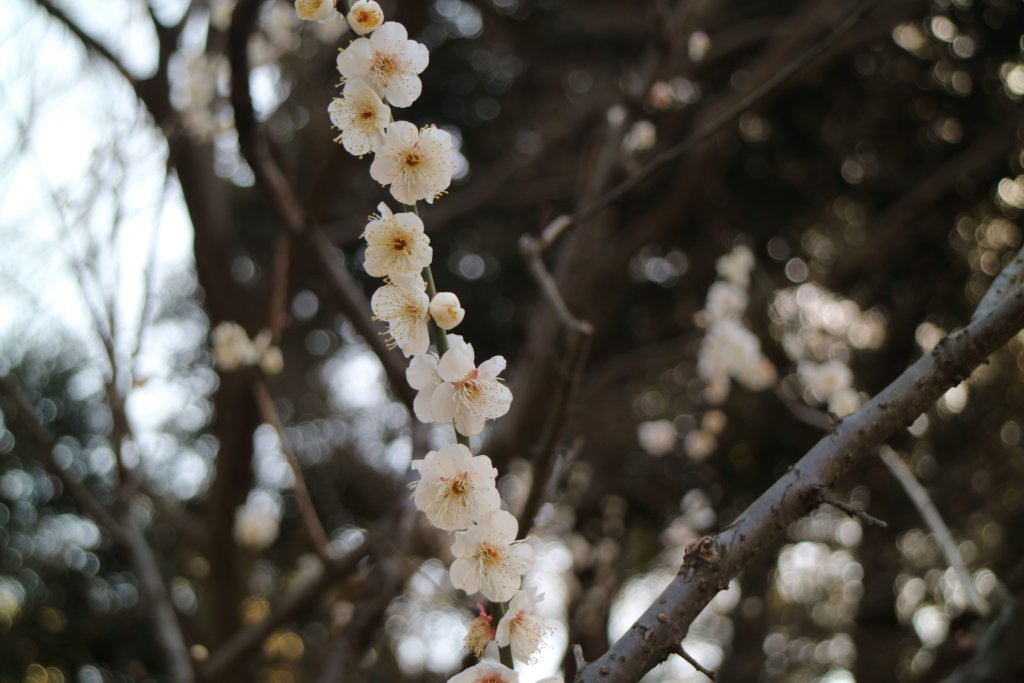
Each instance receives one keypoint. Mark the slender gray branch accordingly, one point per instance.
(923, 502)
(723, 555)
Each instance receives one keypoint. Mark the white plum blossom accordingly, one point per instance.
(641, 136)
(844, 402)
(455, 488)
(417, 164)
(395, 244)
(480, 632)
(468, 394)
(446, 310)
(486, 672)
(699, 444)
(736, 266)
(389, 63)
(361, 116)
(522, 627)
(824, 379)
(725, 300)
(232, 347)
(657, 437)
(488, 558)
(365, 16)
(422, 376)
(314, 10)
(257, 524)
(404, 305)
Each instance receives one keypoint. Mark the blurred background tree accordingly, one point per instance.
(146, 500)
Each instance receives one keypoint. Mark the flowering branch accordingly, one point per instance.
(719, 557)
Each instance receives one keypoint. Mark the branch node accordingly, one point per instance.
(868, 519)
(678, 650)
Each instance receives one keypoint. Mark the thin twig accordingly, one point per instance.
(279, 287)
(651, 639)
(314, 527)
(923, 502)
(282, 197)
(693, 662)
(248, 639)
(581, 335)
(169, 635)
(562, 223)
(856, 513)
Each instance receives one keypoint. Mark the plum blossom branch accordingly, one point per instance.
(651, 639)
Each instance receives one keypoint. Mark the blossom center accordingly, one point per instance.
(383, 67)
(411, 159)
(400, 244)
(488, 555)
(458, 485)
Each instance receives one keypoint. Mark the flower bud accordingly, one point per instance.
(314, 10)
(365, 16)
(480, 633)
(446, 311)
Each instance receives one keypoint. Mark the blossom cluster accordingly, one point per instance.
(457, 489)
(232, 349)
(730, 350)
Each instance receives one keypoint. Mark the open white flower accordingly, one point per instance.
(232, 347)
(736, 266)
(365, 16)
(446, 311)
(455, 488)
(388, 61)
(404, 305)
(486, 672)
(422, 376)
(488, 558)
(395, 244)
(314, 10)
(361, 117)
(468, 394)
(417, 164)
(523, 627)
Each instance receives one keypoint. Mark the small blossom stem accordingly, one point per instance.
(504, 653)
(439, 336)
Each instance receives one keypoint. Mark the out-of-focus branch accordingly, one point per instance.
(248, 639)
(168, 631)
(581, 334)
(563, 223)
(923, 502)
(92, 46)
(306, 508)
(256, 150)
(719, 558)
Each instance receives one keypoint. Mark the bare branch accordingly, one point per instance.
(165, 622)
(560, 224)
(1009, 277)
(650, 639)
(92, 46)
(248, 639)
(856, 513)
(313, 525)
(282, 197)
(581, 334)
(693, 662)
(923, 502)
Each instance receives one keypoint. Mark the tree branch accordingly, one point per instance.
(703, 574)
(256, 150)
(248, 639)
(169, 635)
(563, 223)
